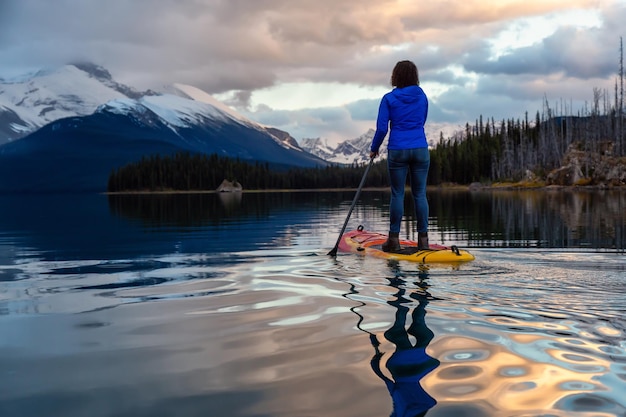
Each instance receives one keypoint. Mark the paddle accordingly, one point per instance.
(333, 251)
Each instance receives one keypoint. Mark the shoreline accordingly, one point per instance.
(446, 187)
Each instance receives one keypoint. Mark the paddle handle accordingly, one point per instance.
(333, 251)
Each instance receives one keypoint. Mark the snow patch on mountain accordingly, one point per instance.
(119, 106)
(201, 96)
(51, 95)
(181, 112)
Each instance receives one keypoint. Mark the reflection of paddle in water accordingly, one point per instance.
(410, 362)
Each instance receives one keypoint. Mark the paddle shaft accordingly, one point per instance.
(333, 251)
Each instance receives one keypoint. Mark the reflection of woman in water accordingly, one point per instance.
(409, 363)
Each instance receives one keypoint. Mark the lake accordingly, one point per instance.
(228, 305)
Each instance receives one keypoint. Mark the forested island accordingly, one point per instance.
(555, 147)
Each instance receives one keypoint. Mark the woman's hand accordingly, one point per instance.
(373, 154)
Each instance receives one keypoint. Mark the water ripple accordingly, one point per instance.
(512, 337)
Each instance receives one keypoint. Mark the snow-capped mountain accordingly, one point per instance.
(350, 151)
(95, 125)
(72, 90)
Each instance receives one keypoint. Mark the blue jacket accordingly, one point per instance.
(405, 109)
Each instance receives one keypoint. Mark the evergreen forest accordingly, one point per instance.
(485, 151)
(194, 172)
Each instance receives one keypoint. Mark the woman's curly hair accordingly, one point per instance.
(404, 74)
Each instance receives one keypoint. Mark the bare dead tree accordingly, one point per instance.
(620, 108)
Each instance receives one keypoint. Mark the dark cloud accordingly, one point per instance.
(442, 114)
(363, 109)
(573, 52)
(465, 106)
(447, 77)
(501, 97)
(335, 123)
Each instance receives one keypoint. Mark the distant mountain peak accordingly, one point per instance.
(349, 151)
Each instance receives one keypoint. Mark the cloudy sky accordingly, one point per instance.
(317, 68)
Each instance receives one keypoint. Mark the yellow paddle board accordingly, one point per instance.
(369, 243)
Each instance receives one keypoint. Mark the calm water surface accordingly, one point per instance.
(227, 305)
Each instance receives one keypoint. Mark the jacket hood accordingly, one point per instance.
(408, 94)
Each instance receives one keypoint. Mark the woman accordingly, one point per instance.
(405, 108)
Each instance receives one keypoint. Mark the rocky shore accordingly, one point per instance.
(601, 169)
(580, 168)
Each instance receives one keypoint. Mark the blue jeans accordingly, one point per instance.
(416, 163)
